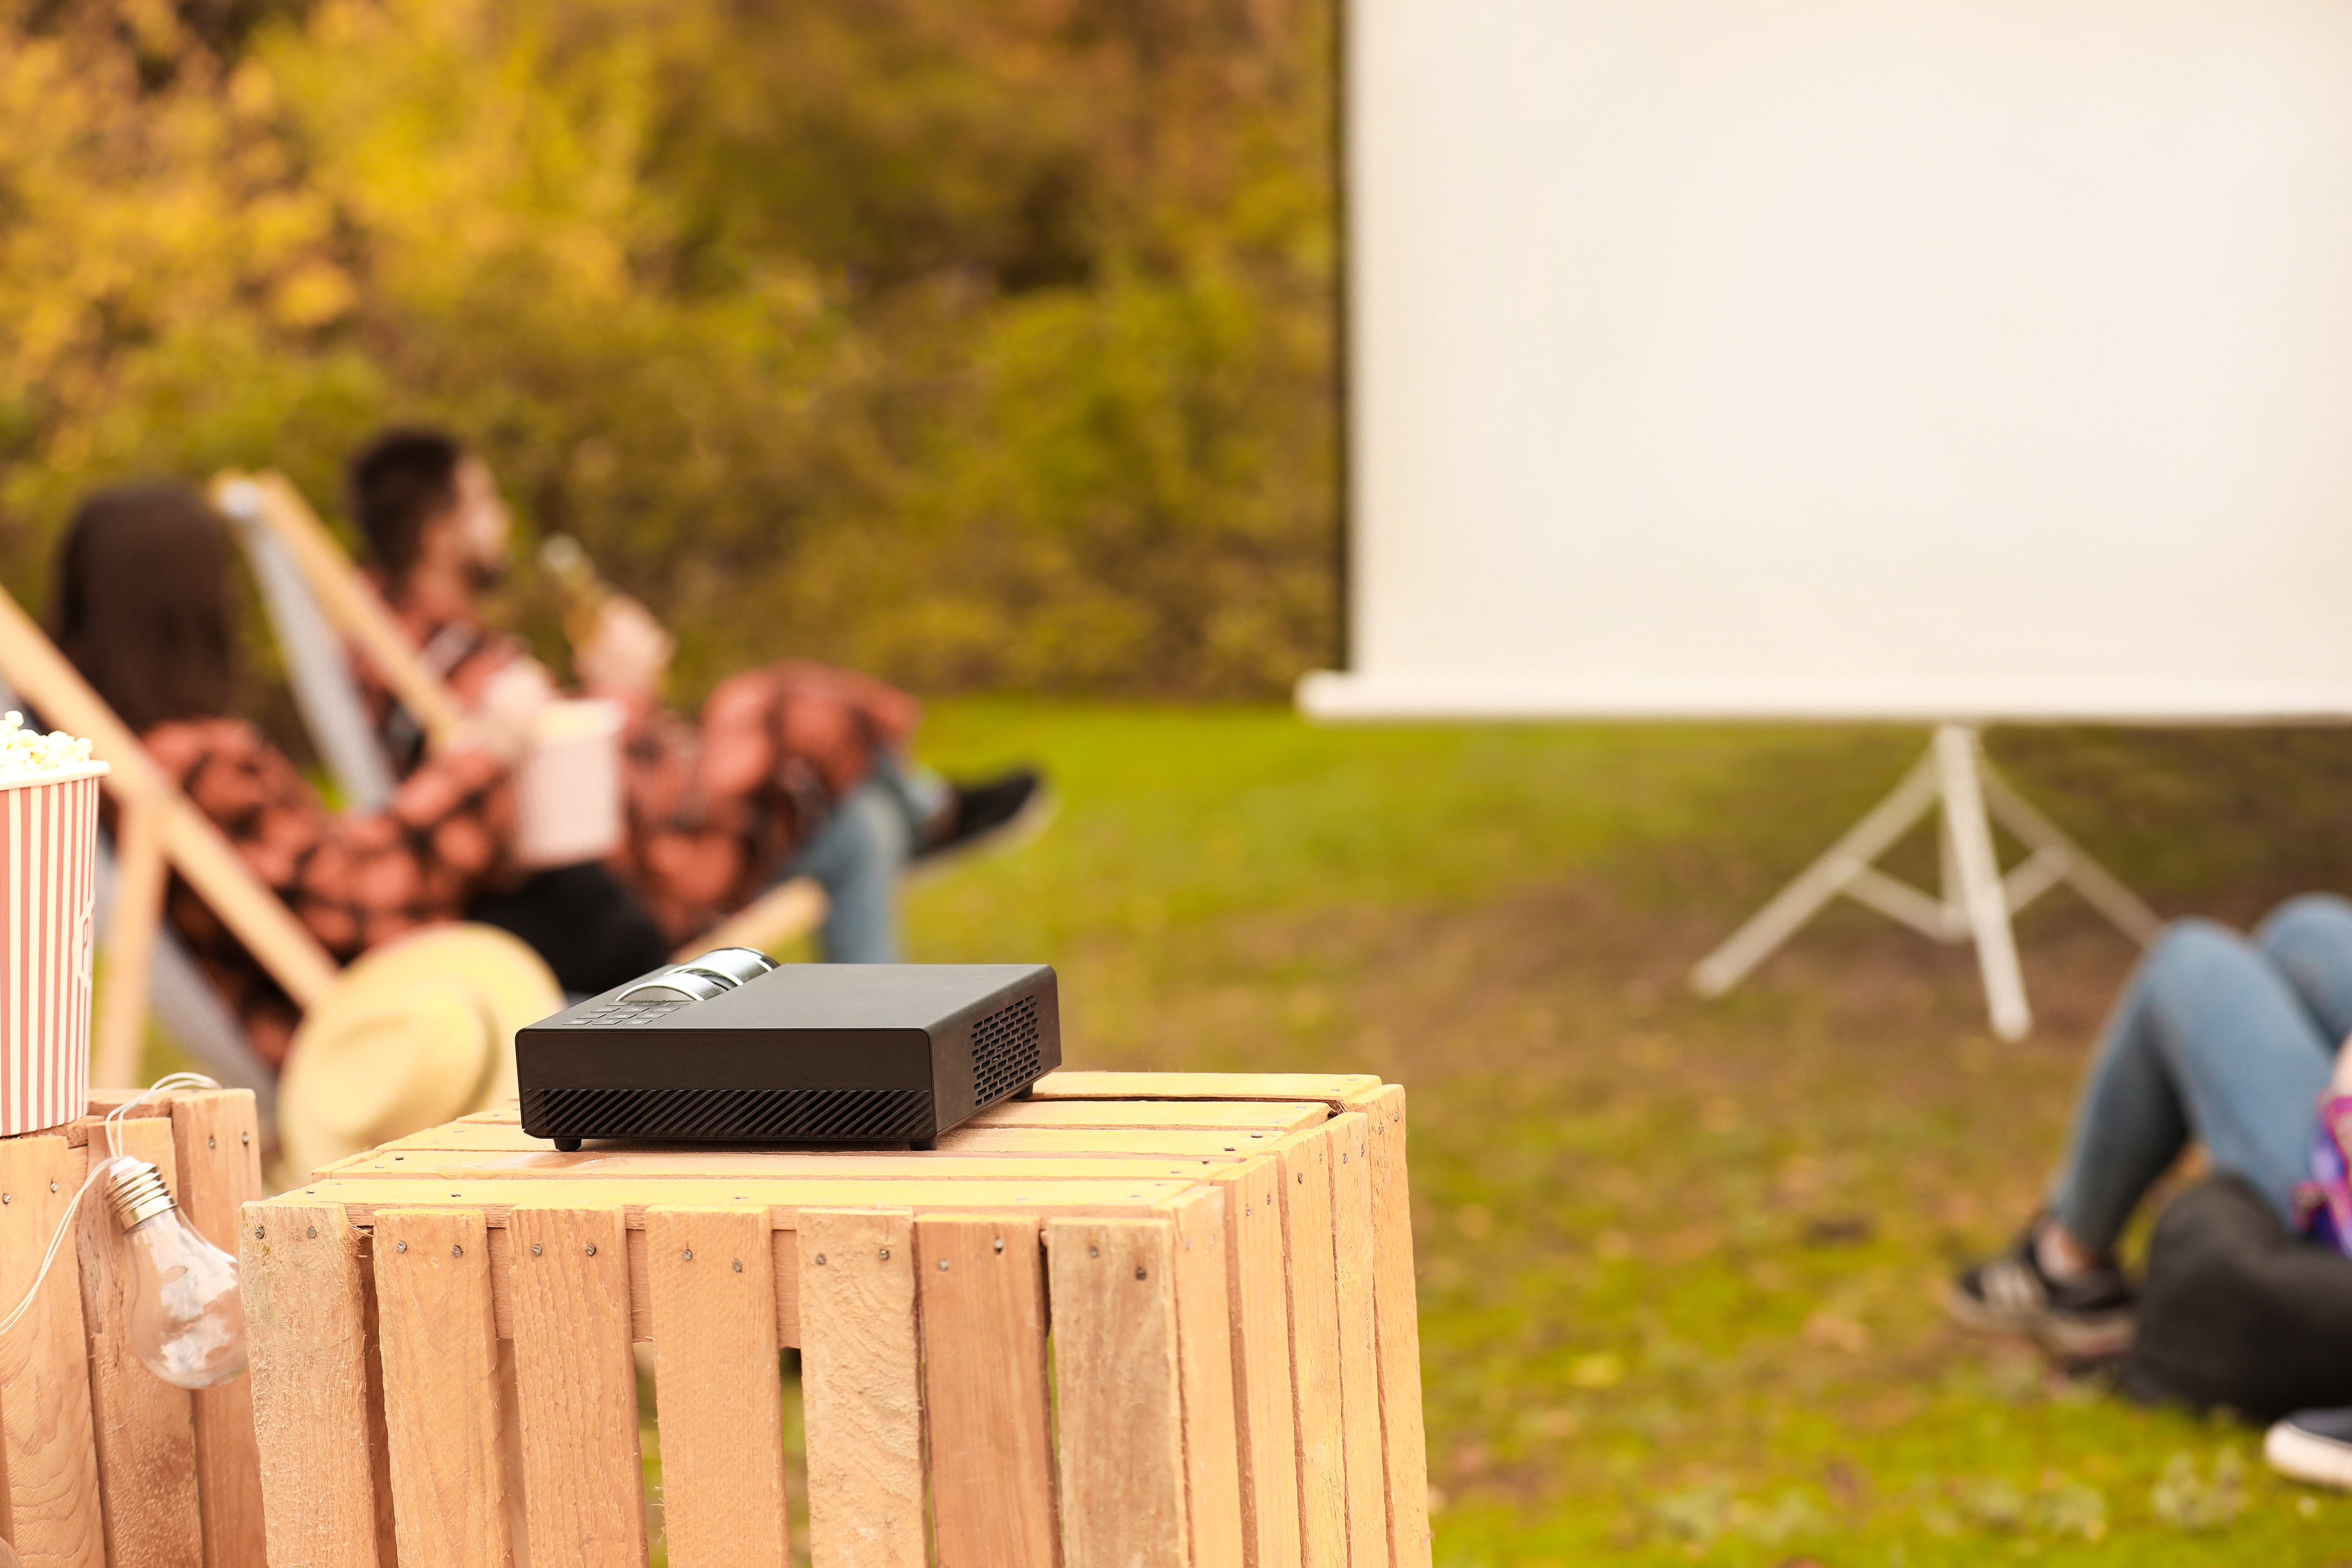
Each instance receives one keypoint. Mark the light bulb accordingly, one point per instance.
(187, 1319)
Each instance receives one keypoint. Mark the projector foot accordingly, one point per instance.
(925, 1146)
(568, 1145)
(1027, 1091)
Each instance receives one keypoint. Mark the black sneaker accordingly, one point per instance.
(2086, 1318)
(1000, 810)
(2312, 1446)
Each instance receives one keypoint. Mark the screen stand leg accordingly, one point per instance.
(1978, 899)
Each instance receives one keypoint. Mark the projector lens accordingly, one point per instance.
(736, 965)
(678, 984)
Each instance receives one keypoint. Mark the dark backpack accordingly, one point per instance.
(2237, 1312)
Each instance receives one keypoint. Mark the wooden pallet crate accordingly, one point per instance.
(1165, 1321)
(101, 1462)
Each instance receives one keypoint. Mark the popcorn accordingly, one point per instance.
(25, 754)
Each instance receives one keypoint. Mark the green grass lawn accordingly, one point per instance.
(1681, 1262)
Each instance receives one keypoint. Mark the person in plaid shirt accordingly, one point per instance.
(143, 603)
(794, 768)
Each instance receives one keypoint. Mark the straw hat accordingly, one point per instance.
(418, 1032)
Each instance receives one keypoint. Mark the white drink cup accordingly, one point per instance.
(568, 785)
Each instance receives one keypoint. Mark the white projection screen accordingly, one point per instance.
(1919, 359)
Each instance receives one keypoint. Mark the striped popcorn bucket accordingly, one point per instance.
(48, 939)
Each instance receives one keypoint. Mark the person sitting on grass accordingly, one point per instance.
(143, 603)
(2221, 1039)
(793, 768)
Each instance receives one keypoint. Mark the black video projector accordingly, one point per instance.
(731, 1048)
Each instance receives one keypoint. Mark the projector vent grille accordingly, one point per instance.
(1004, 1051)
(751, 1115)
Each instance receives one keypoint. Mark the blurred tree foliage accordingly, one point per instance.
(975, 344)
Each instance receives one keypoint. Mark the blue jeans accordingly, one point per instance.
(2219, 1038)
(857, 854)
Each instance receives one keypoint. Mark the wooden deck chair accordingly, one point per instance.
(158, 829)
(309, 586)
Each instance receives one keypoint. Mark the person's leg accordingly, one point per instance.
(920, 795)
(2209, 1040)
(2309, 940)
(857, 855)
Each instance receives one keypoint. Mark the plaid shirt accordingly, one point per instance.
(354, 881)
(714, 808)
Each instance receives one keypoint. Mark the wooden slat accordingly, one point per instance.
(773, 921)
(49, 1453)
(1204, 1326)
(783, 1199)
(1396, 1317)
(145, 1427)
(718, 1387)
(861, 1389)
(140, 872)
(441, 1386)
(216, 1140)
(1120, 1142)
(1359, 1374)
(1119, 1427)
(349, 604)
(696, 1164)
(1314, 1290)
(641, 1322)
(983, 1329)
(304, 1327)
(1263, 1116)
(576, 1388)
(1258, 1304)
(1333, 1088)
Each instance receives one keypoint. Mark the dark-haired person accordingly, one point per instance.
(142, 602)
(791, 768)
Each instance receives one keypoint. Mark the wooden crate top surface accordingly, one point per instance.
(1087, 1143)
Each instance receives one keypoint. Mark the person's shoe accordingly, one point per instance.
(2312, 1446)
(2087, 1318)
(995, 811)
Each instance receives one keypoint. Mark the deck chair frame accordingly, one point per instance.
(158, 830)
(269, 505)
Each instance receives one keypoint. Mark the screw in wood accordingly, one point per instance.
(245, 1138)
(257, 1233)
(314, 1233)
(943, 1266)
(400, 1246)
(1302, 1179)
(456, 1252)
(739, 1266)
(212, 1141)
(8, 1197)
(885, 1255)
(53, 1186)
(688, 1255)
(820, 1258)
(592, 1249)
(1094, 1252)
(1000, 1244)
(1138, 1273)
(535, 1248)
